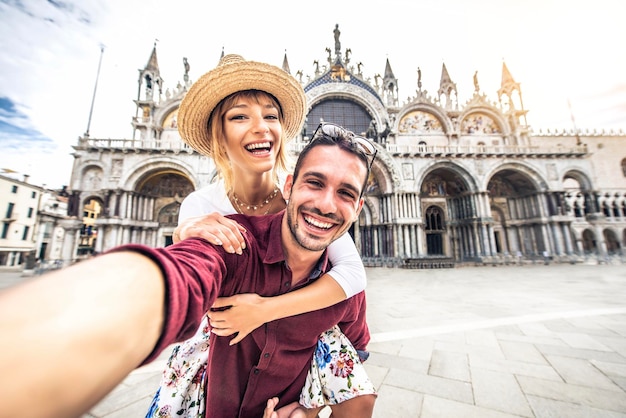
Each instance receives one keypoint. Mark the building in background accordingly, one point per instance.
(455, 181)
(50, 234)
(19, 204)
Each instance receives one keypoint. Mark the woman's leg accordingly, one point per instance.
(337, 375)
(182, 388)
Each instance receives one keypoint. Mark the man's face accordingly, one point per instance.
(325, 199)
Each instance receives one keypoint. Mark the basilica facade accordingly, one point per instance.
(455, 181)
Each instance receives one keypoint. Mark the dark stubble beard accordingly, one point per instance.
(301, 238)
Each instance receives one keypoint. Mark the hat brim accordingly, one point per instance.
(228, 78)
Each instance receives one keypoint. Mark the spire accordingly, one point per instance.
(388, 70)
(153, 63)
(445, 77)
(286, 64)
(390, 86)
(150, 76)
(508, 84)
(446, 88)
(513, 92)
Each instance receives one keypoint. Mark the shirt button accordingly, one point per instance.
(256, 371)
(266, 355)
(287, 284)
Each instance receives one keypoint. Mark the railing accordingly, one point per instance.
(577, 132)
(468, 151)
(135, 145)
(487, 150)
(394, 149)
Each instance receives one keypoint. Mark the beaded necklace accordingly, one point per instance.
(241, 205)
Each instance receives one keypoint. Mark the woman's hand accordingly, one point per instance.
(215, 228)
(240, 314)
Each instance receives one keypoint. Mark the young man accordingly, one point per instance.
(70, 337)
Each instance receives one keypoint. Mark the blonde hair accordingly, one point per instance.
(216, 134)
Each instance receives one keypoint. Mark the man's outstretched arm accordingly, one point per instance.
(69, 337)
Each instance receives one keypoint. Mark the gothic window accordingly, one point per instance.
(346, 113)
(434, 228)
(434, 219)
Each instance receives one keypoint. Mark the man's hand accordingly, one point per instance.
(293, 410)
(240, 314)
(215, 228)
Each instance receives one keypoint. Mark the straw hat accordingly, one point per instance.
(231, 75)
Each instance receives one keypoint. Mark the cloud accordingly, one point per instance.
(16, 132)
(50, 52)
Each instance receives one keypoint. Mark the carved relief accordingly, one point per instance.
(171, 120)
(419, 122)
(479, 123)
(92, 179)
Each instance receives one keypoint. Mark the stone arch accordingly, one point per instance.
(516, 202)
(578, 193)
(589, 241)
(385, 173)
(162, 113)
(467, 182)
(612, 242)
(167, 188)
(93, 207)
(132, 176)
(518, 174)
(447, 194)
(361, 98)
(579, 176)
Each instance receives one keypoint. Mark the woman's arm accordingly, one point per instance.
(249, 311)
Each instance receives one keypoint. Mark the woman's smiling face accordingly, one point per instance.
(253, 132)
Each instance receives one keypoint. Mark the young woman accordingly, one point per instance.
(241, 114)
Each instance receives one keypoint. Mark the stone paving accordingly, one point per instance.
(516, 341)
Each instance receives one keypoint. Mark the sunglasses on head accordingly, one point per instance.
(339, 133)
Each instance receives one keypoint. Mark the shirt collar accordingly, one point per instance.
(275, 254)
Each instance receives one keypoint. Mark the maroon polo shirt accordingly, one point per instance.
(274, 359)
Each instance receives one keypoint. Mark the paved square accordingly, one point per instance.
(515, 341)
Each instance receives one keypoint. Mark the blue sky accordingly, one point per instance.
(559, 50)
